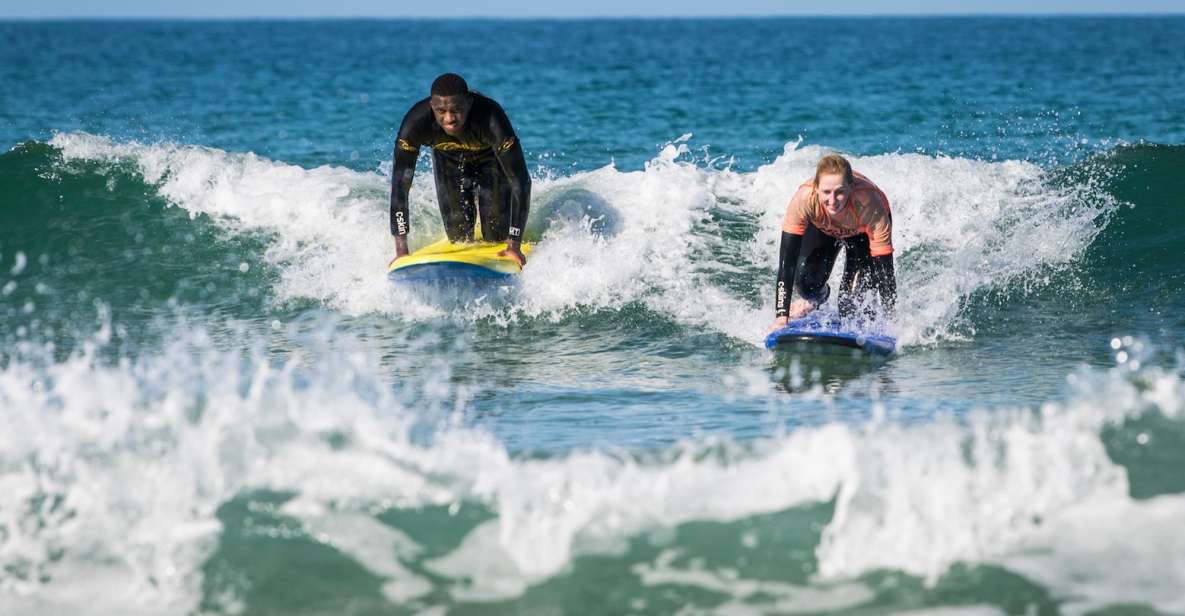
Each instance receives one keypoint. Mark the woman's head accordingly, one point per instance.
(833, 182)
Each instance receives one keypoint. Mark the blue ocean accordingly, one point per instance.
(213, 400)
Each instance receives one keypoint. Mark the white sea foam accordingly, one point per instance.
(111, 475)
(613, 237)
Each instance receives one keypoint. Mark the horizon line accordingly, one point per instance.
(4, 18)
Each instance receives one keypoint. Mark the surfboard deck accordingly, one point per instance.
(445, 261)
(825, 329)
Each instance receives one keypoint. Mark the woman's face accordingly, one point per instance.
(833, 192)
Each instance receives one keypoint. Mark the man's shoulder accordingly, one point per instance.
(489, 120)
(486, 109)
(418, 127)
(483, 102)
(418, 118)
(419, 109)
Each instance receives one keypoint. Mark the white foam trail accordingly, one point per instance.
(961, 226)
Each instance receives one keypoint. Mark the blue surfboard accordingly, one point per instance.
(826, 329)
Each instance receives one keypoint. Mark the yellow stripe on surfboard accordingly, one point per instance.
(481, 254)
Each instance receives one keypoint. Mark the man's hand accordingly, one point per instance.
(779, 323)
(400, 248)
(800, 307)
(513, 250)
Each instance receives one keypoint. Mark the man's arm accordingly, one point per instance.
(402, 172)
(509, 153)
(403, 169)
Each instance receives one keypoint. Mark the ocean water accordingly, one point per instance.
(212, 401)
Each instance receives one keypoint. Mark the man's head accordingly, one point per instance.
(450, 102)
(833, 182)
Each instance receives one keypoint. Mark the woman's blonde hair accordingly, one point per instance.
(831, 164)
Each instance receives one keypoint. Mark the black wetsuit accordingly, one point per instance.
(812, 255)
(481, 171)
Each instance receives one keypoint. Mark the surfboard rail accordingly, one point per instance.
(445, 260)
(827, 330)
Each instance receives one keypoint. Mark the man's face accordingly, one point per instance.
(451, 111)
(833, 192)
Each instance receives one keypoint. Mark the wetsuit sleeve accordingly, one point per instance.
(509, 153)
(787, 258)
(884, 280)
(403, 168)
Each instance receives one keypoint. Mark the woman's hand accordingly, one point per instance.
(801, 307)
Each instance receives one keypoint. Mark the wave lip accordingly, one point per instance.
(688, 241)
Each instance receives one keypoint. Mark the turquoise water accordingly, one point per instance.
(214, 402)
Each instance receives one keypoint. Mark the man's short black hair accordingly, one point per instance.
(449, 84)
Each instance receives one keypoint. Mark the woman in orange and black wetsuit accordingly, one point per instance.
(838, 208)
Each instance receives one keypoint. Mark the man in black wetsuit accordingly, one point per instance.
(478, 162)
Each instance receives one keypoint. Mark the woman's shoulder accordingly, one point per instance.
(804, 190)
(867, 192)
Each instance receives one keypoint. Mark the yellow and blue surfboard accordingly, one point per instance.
(445, 261)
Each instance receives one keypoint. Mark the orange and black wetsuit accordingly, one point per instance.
(811, 239)
(482, 171)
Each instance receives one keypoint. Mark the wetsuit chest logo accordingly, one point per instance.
(456, 146)
(842, 225)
